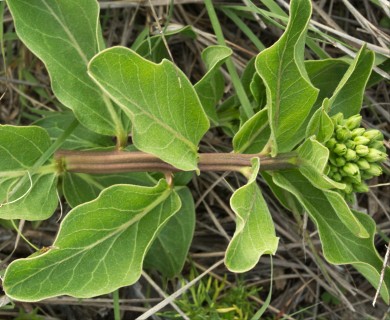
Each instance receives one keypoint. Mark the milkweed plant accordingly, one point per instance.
(131, 205)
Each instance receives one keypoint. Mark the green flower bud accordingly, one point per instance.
(357, 132)
(373, 134)
(343, 134)
(337, 177)
(363, 164)
(338, 118)
(340, 161)
(361, 140)
(375, 155)
(365, 175)
(331, 143)
(350, 155)
(348, 188)
(351, 169)
(374, 170)
(340, 149)
(360, 187)
(361, 150)
(350, 144)
(377, 145)
(353, 122)
(333, 169)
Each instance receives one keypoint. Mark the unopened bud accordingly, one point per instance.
(331, 143)
(363, 164)
(350, 155)
(351, 169)
(340, 149)
(353, 122)
(373, 134)
(357, 132)
(377, 144)
(361, 140)
(365, 175)
(348, 188)
(375, 155)
(374, 170)
(350, 144)
(343, 134)
(338, 119)
(340, 161)
(361, 150)
(337, 177)
(360, 187)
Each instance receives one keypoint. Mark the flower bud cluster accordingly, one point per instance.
(355, 153)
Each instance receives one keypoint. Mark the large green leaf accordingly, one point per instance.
(80, 187)
(211, 87)
(290, 95)
(65, 36)
(253, 135)
(169, 251)
(99, 248)
(167, 117)
(80, 139)
(255, 230)
(25, 194)
(340, 245)
(348, 96)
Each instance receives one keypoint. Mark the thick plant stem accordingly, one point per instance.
(121, 161)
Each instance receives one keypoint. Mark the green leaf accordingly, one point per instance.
(169, 251)
(286, 198)
(100, 246)
(313, 158)
(211, 87)
(325, 75)
(255, 230)
(258, 90)
(320, 124)
(348, 96)
(155, 48)
(290, 95)
(80, 187)
(253, 135)
(80, 139)
(64, 35)
(167, 117)
(340, 245)
(32, 198)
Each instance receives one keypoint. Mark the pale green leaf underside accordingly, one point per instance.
(348, 96)
(255, 230)
(339, 244)
(290, 94)
(210, 88)
(313, 158)
(64, 35)
(100, 246)
(167, 117)
(30, 200)
(320, 124)
(170, 248)
(253, 135)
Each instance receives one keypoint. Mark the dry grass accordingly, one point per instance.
(303, 280)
